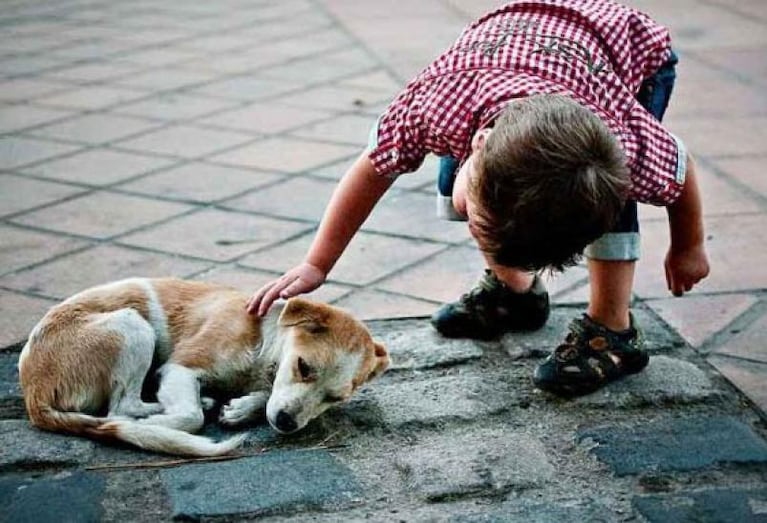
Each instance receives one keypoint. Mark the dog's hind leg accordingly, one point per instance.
(133, 363)
(179, 395)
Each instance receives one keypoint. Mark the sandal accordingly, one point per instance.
(591, 357)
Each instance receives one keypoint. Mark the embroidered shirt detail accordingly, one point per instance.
(595, 51)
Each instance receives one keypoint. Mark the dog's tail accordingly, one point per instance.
(163, 439)
(150, 437)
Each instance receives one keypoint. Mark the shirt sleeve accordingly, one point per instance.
(396, 144)
(656, 159)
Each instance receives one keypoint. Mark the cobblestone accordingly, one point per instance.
(676, 444)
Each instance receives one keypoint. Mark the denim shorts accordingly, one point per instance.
(622, 242)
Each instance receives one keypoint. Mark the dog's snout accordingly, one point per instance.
(285, 422)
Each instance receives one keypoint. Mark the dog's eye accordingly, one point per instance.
(307, 373)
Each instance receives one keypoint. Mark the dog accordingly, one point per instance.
(83, 367)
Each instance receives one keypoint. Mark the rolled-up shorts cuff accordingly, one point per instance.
(615, 246)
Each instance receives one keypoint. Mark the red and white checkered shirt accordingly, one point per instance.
(595, 51)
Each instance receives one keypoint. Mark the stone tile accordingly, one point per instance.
(676, 444)
(734, 243)
(398, 212)
(349, 129)
(20, 314)
(722, 96)
(249, 281)
(95, 128)
(725, 504)
(562, 283)
(748, 343)
(333, 66)
(215, 234)
(748, 62)
(469, 396)
(19, 117)
(22, 89)
(91, 97)
(748, 171)
(703, 136)
(74, 497)
(200, 182)
(308, 480)
(749, 377)
(165, 79)
(335, 97)
(101, 214)
(380, 80)
(697, 318)
(65, 276)
(30, 65)
(94, 71)
(173, 106)
(665, 381)
(17, 151)
(442, 278)
(367, 258)
(98, 167)
(20, 248)
(159, 56)
(285, 154)
(247, 87)
(11, 396)
(415, 345)
(26, 445)
(370, 304)
(266, 118)
(18, 194)
(185, 140)
(486, 463)
(336, 170)
(298, 197)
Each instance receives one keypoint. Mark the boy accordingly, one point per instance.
(551, 108)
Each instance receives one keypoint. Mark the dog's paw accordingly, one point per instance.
(244, 409)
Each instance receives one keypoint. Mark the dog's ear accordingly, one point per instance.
(308, 315)
(382, 360)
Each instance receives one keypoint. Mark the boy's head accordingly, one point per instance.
(548, 180)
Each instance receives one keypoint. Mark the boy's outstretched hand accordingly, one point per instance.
(298, 280)
(685, 268)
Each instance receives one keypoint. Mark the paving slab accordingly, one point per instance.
(71, 497)
(275, 482)
(676, 444)
(711, 506)
(486, 462)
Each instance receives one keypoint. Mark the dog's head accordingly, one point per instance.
(327, 356)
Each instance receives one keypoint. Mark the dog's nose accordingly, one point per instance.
(285, 422)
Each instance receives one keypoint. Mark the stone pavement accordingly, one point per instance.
(203, 139)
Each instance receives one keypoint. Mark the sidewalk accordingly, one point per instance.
(202, 140)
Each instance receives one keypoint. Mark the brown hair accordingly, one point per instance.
(550, 179)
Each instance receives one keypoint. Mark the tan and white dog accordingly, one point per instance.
(85, 362)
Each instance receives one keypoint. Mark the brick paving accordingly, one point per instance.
(201, 140)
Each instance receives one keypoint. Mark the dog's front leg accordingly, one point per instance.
(245, 408)
(179, 395)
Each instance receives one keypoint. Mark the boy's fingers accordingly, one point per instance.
(255, 300)
(272, 295)
(297, 287)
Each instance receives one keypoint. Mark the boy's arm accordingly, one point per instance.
(353, 199)
(686, 262)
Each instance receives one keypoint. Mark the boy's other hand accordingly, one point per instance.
(298, 280)
(685, 268)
